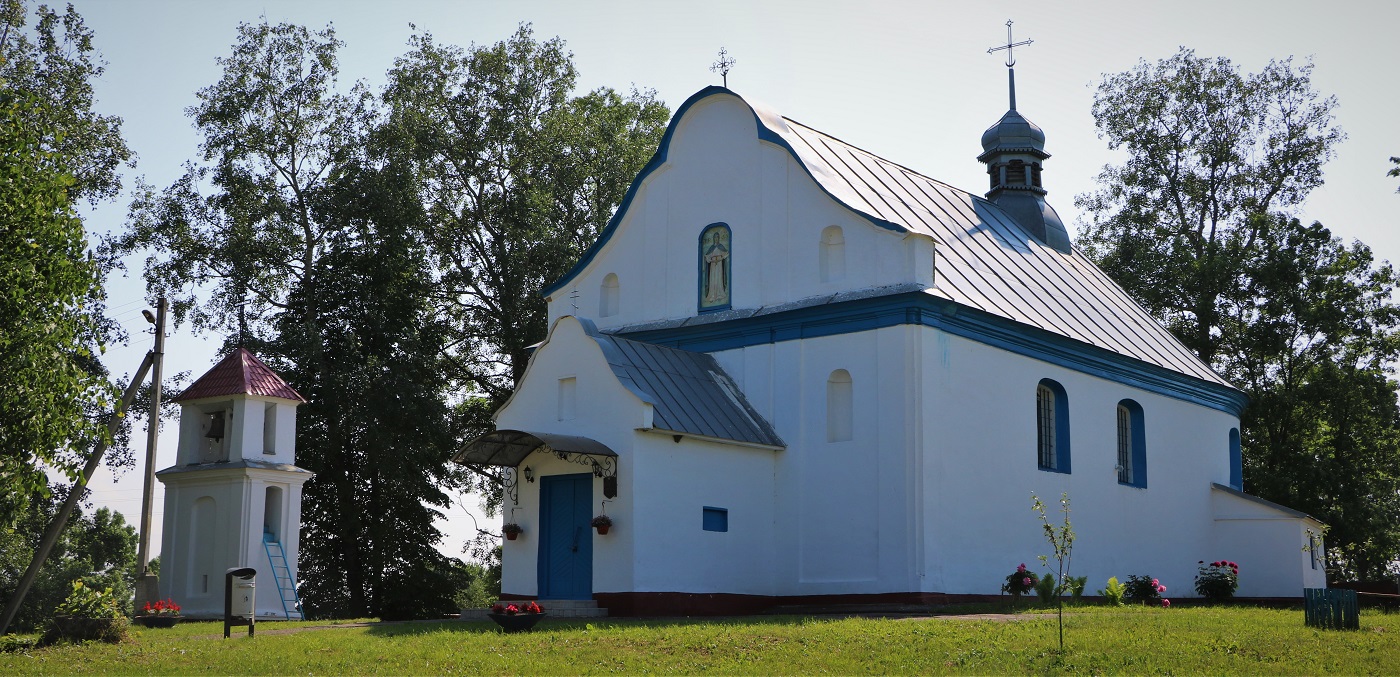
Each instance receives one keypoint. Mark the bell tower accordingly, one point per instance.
(1013, 150)
(233, 497)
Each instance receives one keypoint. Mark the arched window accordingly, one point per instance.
(1236, 461)
(607, 296)
(839, 405)
(832, 262)
(1051, 426)
(1132, 445)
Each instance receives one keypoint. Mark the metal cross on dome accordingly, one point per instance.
(1010, 56)
(722, 66)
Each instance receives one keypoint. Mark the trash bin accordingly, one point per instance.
(240, 594)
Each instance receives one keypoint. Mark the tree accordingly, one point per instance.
(99, 549)
(319, 233)
(54, 151)
(1394, 171)
(1061, 540)
(1209, 151)
(1322, 431)
(517, 176)
(1196, 226)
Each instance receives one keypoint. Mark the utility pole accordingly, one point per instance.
(147, 586)
(61, 519)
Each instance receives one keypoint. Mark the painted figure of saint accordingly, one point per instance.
(716, 258)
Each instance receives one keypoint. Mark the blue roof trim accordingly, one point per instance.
(659, 158)
(927, 310)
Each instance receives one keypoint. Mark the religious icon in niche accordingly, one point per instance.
(714, 267)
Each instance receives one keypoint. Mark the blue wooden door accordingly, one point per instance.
(566, 539)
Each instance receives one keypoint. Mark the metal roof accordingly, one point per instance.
(234, 465)
(984, 259)
(688, 391)
(510, 447)
(241, 373)
(1263, 501)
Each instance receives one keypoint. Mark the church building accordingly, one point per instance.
(792, 371)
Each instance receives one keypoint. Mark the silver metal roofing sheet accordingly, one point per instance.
(985, 260)
(688, 391)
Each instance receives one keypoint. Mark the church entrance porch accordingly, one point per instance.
(566, 541)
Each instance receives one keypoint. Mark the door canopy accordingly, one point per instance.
(508, 448)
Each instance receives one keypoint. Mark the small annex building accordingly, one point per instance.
(792, 371)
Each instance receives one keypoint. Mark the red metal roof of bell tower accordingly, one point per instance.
(241, 373)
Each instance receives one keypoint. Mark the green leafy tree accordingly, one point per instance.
(517, 176)
(1210, 151)
(54, 152)
(1195, 225)
(1394, 171)
(97, 549)
(295, 209)
(1322, 430)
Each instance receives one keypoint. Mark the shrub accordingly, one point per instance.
(1076, 587)
(1217, 581)
(1045, 588)
(1021, 581)
(86, 614)
(1113, 592)
(1144, 590)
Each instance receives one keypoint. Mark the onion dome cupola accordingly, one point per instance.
(1013, 150)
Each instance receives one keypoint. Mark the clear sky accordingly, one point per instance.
(910, 81)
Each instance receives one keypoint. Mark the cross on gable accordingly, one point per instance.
(722, 66)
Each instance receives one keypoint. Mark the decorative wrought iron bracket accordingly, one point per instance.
(510, 481)
(601, 466)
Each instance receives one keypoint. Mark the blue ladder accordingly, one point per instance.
(282, 576)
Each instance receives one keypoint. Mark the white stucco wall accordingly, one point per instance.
(776, 214)
(932, 491)
(982, 471)
(195, 546)
(604, 411)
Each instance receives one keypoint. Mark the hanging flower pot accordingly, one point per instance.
(512, 530)
(602, 523)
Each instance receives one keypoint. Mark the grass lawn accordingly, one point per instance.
(1099, 640)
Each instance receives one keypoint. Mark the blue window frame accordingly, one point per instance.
(1236, 461)
(1052, 427)
(1132, 445)
(715, 519)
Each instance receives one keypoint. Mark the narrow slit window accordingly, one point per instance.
(839, 405)
(1045, 426)
(1125, 446)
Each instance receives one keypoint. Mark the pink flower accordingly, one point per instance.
(1026, 581)
(1155, 583)
(1161, 588)
(1233, 565)
(1022, 567)
(1166, 603)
